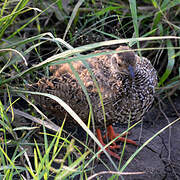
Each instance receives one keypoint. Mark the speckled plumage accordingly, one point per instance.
(127, 94)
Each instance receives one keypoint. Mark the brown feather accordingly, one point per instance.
(123, 96)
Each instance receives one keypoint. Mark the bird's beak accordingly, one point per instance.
(131, 71)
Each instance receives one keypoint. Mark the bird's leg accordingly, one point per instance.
(99, 136)
(112, 135)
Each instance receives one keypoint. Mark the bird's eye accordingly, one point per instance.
(119, 64)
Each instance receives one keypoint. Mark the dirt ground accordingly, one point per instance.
(160, 159)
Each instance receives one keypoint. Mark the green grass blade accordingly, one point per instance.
(73, 15)
(9, 160)
(170, 65)
(3, 8)
(133, 9)
(106, 10)
(134, 16)
(14, 14)
(72, 167)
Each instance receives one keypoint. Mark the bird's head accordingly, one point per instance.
(124, 62)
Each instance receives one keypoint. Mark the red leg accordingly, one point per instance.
(111, 134)
(99, 136)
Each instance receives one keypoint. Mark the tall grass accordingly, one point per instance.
(151, 33)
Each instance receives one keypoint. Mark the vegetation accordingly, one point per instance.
(37, 34)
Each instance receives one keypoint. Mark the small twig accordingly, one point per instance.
(169, 138)
(172, 104)
(114, 172)
(174, 87)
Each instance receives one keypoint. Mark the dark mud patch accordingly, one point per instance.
(159, 159)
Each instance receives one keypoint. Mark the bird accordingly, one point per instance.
(125, 81)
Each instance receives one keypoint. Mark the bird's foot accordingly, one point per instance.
(112, 135)
(111, 153)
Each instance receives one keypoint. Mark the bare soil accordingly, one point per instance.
(160, 159)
